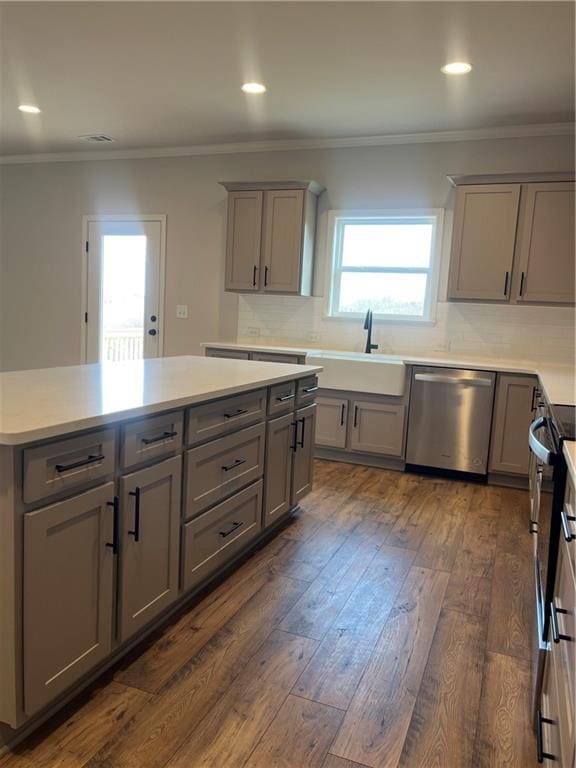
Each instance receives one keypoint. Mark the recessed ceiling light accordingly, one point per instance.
(456, 68)
(29, 108)
(254, 88)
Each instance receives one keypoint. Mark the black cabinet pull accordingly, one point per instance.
(163, 436)
(301, 441)
(283, 398)
(234, 527)
(556, 635)
(506, 283)
(522, 284)
(92, 459)
(309, 390)
(136, 531)
(265, 276)
(342, 413)
(539, 745)
(535, 396)
(234, 414)
(116, 525)
(294, 445)
(566, 527)
(355, 415)
(255, 272)
(236, 463)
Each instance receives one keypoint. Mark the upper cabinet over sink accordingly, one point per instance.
(513, 240)
(270, 236)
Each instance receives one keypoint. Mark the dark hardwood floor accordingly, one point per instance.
(388, 624)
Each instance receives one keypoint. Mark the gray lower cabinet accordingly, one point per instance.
(331, 421)
(149, 554)
(279, 458)
(68, 588)
(303, 460)
(513, 412)
(377, 428)
(233, 354)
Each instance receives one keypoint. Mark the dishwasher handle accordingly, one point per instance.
(440, 378)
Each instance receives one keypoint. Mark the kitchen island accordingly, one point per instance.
(124, 489)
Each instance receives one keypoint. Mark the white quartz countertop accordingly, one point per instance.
(557, 380)
(38, 404)
(570, 454)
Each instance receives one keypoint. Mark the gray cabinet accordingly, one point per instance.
(278, 473)
(331, 421)
(545, 271)
(377, 428)
(513, 412)
(68, 592)
(149, 557)
(303, 460)
(270, 236)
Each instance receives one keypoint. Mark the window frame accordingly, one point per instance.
(336, 222)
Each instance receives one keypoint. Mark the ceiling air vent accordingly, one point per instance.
(96, 138)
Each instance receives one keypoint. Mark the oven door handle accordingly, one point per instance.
(537, 448)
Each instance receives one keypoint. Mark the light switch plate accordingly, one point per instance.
(182, 311)
(253, 331)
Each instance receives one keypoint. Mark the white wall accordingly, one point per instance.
(41, 208)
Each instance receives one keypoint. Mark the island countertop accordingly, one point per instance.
(44, 403)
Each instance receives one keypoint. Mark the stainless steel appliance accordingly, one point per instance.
(553, 425)
(449, 419)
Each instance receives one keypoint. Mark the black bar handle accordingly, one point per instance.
(535, 396)
(283, 398)
(355, 415)
(91, 459)
(116, 525)
(342, 413)
(265, 276)
(164, 436)
(301, 441)
(136, 531)
(254, 275)
(233, 528)
(522, 284)
(234, 414)
(294, 445)
(566, 528)
(506, 279)
(540, 720)
(236, 463)
(556, 634)
(308, 390)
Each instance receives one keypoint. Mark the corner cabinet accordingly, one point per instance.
(513, 242)
(270, 236)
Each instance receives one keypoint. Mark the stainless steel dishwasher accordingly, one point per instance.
(449, 419)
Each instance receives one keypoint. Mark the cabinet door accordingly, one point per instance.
(282, 246)
(331, 422)
(243, 238)
(68, 592)
(278, 473)
(150, 504)
(303, 466)
(512, 416)
(545, 270)
(483, 241)
(377, 428)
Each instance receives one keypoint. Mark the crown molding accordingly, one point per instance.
(472, 134)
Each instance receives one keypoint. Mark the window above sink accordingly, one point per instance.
(386, 261)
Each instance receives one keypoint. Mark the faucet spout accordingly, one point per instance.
(368, 327)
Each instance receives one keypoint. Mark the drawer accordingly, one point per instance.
(151, 438)
(565, 704)
(274, 357)
(565, 602)
(218, 469)
(205, 422)
(65, 464)
(551, 741)
(307, 390)
(215, 537)
(282, 398)
(569, 525)
(232, 354)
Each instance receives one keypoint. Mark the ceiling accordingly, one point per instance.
(163, 74)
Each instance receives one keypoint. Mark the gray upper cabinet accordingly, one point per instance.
(270, 236)
(545, 271)
(513, 411)
(149, 558)
(68, 589)
(483, 241)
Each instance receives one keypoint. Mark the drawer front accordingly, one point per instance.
(232, 354)
(71, 463)
(151, 438)
(216, 536)
(565, 704)
(220, 468)
(307, 391)
(551, 742)
(205, 422)
(569, 525)
(273, 357)
(565, 602)
(282, 398)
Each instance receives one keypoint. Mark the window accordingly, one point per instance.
(386, 262)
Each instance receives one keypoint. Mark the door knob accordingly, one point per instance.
(152, 332)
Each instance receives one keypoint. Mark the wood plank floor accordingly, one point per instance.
(389, 623)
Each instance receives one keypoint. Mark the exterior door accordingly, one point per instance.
(303, 466)
(150, 505)
(282, 246)
(279, 452)
(243, 239)
(125, 294)
(331, 419)
(377, 428)
(68, 593)
(513, 413)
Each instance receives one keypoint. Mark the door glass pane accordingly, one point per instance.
(390, 294)
(387, 245)
(123, 292)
